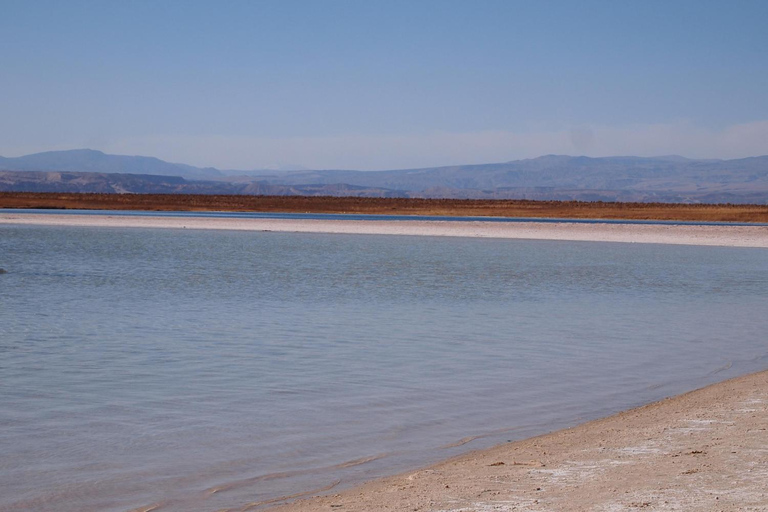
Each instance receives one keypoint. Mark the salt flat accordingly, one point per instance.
(733, 236)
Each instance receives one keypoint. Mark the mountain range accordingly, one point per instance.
(551, 177)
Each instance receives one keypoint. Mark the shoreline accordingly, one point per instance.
(702, 450)
(521, 208)
(731, 236)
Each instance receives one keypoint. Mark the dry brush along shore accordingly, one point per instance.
(392, 206)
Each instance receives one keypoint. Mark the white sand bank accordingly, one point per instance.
(734, 236)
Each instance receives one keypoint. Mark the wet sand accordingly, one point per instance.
(733, 236)
(706, 450)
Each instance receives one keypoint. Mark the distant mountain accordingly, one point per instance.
(663, 174)
(666, 178)
(116, 183)
(88, 160)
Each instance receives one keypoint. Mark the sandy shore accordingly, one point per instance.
(734, 236)
(706, 451)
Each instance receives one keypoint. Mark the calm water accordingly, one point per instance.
(142, 367)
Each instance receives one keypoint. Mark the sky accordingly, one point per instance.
(390, 84)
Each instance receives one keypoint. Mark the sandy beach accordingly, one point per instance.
(704, 450)
(733, 236)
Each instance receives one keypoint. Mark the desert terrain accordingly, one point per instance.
(390, 206)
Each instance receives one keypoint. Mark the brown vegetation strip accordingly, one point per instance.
(389, 206)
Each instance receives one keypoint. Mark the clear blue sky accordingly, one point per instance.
(384, 84)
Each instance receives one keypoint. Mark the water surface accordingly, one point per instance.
(142, 366)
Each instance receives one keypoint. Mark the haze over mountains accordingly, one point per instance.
(663, 179)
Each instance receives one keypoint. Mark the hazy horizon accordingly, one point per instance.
(298, 168)
(345, 85)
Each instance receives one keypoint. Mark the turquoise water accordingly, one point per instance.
(142, 367)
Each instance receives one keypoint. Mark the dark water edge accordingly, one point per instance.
(371, 217)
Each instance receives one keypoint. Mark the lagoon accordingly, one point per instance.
(205, 370)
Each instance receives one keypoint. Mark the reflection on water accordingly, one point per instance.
(205, 370)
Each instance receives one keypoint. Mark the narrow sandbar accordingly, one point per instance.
(719, 235)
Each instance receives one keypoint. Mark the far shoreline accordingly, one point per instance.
(755, 236)
(521, 208)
